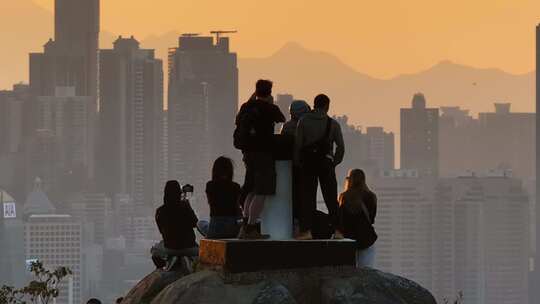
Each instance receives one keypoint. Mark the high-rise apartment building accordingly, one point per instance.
(419, 137)
(489, 141)
(56, 240)
(202, 104)
(468, 234)
(535, 294)
(12, 106)
(131, 130)
(71, 121)
(11, 233)
(380, 147)
(372, 149)
(71, 58)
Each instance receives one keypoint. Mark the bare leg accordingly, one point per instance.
(255, 209)
(247, 204)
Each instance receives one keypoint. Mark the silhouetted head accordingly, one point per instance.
(223, 169)
(93, 301)
(356, 180)
(119, 300)
(172, 193)
(263, 88)
(298, 108)
(321, 103)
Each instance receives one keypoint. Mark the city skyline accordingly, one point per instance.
(485, 16)
(88, 144)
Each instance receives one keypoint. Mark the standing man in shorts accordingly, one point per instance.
(254, 136)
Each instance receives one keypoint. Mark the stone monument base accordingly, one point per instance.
(236, 256)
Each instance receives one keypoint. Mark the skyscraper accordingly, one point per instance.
(203, 101)
(131, 122)
(70, 119)
(71, 58)
(468, 234)
(467, 143)
(535, 298)
(56, 240)
(419, 137)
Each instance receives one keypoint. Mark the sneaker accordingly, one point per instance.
(242, 233)
(338, 235)
(303, 236)
(253, 234)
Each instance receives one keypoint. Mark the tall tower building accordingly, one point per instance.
(203, 101)
(535, 298)
(56, 240)
(419, 137)
(71, 58)
(131, 122)
(70, 119)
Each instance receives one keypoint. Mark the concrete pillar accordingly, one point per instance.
(276, 219)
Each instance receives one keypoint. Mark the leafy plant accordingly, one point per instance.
(457, 300)
(41, 290)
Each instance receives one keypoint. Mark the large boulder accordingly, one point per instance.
(372, 286)
(313, 286)
(149, 287)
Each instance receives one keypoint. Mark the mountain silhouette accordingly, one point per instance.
(368, 101)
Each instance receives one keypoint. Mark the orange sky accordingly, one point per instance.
(382, 38)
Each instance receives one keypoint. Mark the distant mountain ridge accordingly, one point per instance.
(304, 73)
(370, 101)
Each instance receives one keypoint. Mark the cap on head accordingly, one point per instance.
(299, 108)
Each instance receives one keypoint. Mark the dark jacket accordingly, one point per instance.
(223, 197)
(267, 114)
(312, 127)
(176, 221)
(352, 217)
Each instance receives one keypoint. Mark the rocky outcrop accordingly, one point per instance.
(313, 286)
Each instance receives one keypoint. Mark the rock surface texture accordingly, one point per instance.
(303, 286)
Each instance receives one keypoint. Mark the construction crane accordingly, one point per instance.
(219, 33)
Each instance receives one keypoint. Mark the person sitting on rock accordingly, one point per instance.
(223, 196)
(357, 211)
(175, 220)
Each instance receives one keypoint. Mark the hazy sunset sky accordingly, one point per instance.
(382, 38)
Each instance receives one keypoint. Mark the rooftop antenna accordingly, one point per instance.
(218, 33)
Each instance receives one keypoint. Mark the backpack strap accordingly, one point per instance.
(326, 135)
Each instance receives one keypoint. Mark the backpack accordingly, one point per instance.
(245, 131)
(316, 152)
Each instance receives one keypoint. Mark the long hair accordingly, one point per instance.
(172, 192)
(356, 180)
(223, 169)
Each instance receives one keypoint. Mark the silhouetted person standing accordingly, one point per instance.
(316, 136)
(254, 136)
(357, 210)
(297, 109)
